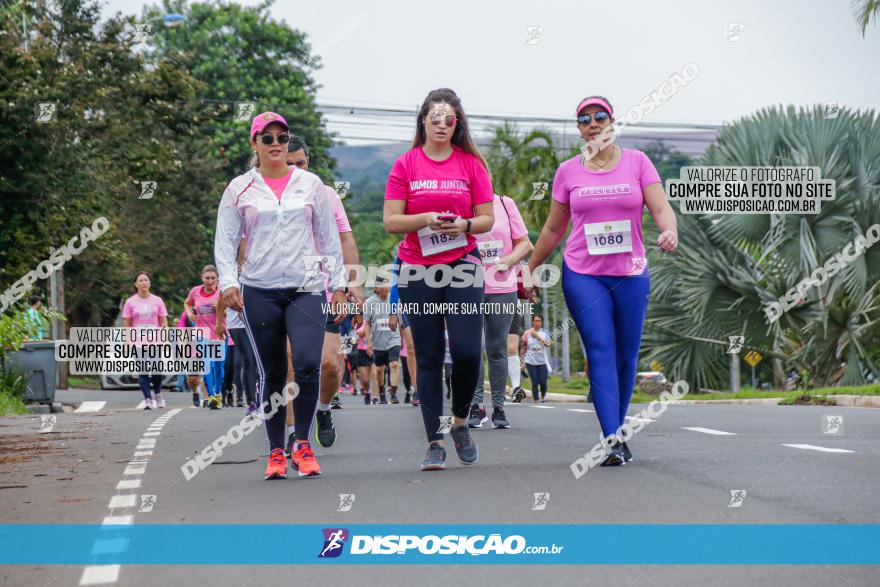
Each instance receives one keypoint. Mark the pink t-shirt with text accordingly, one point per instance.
(498, 242)
(144, 311)
(205, 307)
(456, 184)
(607, 207)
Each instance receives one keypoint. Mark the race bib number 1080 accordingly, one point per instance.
(606, 238)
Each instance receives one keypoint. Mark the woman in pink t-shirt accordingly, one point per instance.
(439, 194)
(201, 308)
(146, 310)
(501, 250)
(605, 276)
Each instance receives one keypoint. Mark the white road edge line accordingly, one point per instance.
(709, 431)
(818, 448)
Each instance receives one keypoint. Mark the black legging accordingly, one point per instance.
(465, 336)
(407, 382)
(228, 370)
(538, 375)
(245, 364)
(270, 315)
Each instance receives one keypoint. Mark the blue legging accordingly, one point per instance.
(609, 313)
(214, 377)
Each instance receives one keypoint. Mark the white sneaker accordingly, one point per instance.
(148, 404)
(160, 401)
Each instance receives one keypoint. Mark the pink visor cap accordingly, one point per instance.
(594, 101)
(261, 121)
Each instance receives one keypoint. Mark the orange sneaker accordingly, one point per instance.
(277, 467)
(304, 461)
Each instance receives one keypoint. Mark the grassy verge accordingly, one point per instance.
(11, 405)
(84, 382)
(580, 385)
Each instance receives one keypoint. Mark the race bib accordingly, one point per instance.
(382, 325)
(490, 251)
(433, 242)
(606, 238)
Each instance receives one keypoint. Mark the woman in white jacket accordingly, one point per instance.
(292, 248)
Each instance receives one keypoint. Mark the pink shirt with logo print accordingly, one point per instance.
(605, 201)
(457, 184)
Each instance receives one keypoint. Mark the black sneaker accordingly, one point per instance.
(499, 419)
(406, 398)
(335, 403)
(414, 401)
(394, 399)
(465, 448)
(615, 456)
(627, 455)
(382, 399)
(196, 401)
(519, 394)
(589, 397)
(325, 432)
(475, 420)
(367, 397)
(435, 460)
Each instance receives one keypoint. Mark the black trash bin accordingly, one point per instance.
(37, 361)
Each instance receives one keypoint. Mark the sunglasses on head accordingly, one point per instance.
(599, 116)
(268, 139)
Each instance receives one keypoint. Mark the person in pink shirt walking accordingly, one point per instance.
(501, 250)
(146, 310)
(439, 194)
(605, 276)
(201, 308)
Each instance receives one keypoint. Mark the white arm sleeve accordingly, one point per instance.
(226, 240)
(327, 240)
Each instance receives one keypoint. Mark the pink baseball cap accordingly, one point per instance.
(261, 121)
(593, 101)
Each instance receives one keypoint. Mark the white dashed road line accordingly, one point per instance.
(581, 410)
(709, 431)
(123, 506)
(90, 406)
(818, 448)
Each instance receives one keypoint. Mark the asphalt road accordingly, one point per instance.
(684, 471)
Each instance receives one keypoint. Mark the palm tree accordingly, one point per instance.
(518, 159)
(865, 11)
(729, 267)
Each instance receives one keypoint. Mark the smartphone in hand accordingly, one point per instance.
(447, 217)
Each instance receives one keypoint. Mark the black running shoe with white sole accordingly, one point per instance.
(465, 448)
(519, 394)
(435, 460)
(336, 403)
(475, 419)
(627, 455)
(325, 432)
(615, 456)
(499, 418)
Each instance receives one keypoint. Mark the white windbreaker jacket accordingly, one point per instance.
(292, 243)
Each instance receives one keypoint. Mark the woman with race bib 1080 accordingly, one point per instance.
(605, 276)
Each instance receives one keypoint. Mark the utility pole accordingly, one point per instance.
(59, 329)
(734, 372)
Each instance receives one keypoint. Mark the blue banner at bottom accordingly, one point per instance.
(673, 544)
